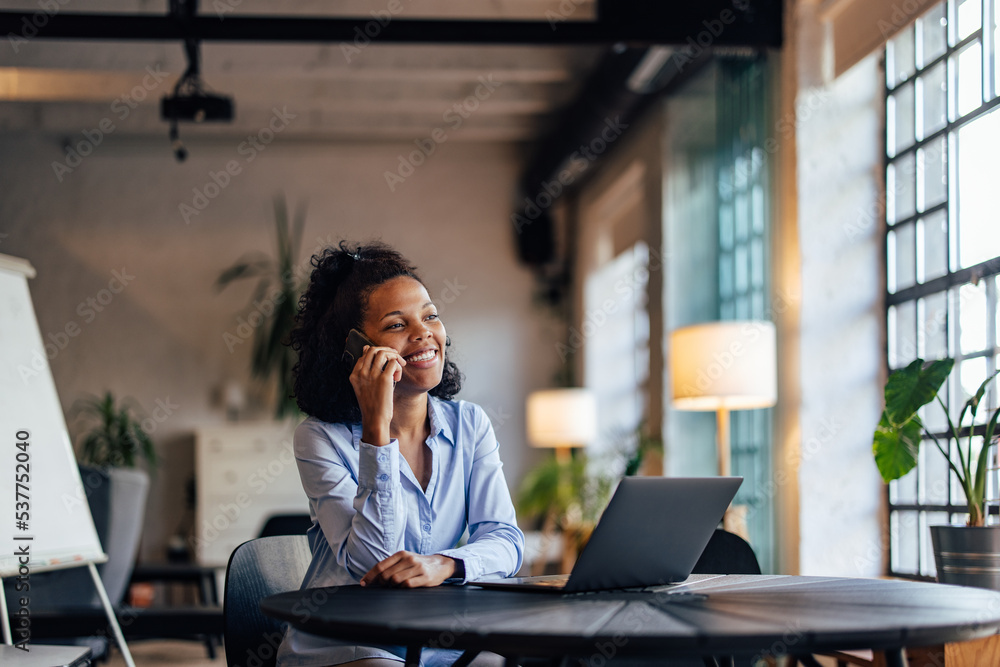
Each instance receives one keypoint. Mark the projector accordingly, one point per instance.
(197, 108)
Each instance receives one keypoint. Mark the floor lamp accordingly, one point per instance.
(724, 366)
(561, 419)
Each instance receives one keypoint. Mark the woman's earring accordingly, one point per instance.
(447, 341)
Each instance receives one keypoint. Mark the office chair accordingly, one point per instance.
(727, 553)
(286, 524)
(256, 569)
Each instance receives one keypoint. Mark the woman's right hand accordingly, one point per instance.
(373, 378)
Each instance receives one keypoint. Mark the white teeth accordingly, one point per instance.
(426, 356)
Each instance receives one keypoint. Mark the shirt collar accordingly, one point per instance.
(439, 424)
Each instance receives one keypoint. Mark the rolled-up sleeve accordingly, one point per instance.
(496, 545)
(363, 519)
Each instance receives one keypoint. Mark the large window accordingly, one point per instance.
(942, 239)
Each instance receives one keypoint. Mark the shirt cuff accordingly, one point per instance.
(471, 569)
(378, 467)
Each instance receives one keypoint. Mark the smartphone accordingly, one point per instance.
(354, 348)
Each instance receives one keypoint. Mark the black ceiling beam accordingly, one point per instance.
(754, 23)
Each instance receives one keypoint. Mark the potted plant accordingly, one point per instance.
(964, 555)
(278, 289)
(116, 438)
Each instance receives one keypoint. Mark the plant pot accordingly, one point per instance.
(967, 556)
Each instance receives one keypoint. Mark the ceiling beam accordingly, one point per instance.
(754, 23)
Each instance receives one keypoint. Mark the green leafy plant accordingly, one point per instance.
(116, 437)
(278, 291)
(900, 431)
(565, 492)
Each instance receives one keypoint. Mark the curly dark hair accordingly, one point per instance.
(335, 302)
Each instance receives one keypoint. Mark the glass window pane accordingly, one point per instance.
(742, 307)
(968, 15)
(933, 235)
(996, 51)
(971, 373)
(901, 111)
(978, 173)
(932, 166)
(903, 239)
(931, 519)
(726, 227)
(933, 101)
(933, 338)
(904, 538)
(932, 29)
(900, 188)
(972, 311)
(741, 268)
(757, 194)
(902, 334)
(900, 61)
(742, 214)
(966, 69)
(934, 489)
(725, 276)
(903, 491)
(757, 261)
(933, 417)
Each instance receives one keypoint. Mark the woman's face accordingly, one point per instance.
(401, 315)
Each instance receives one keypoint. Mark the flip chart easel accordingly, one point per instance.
(52, 529)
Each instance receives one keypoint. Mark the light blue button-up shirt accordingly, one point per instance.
(366, 504)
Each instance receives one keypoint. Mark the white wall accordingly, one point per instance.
(161, 337)
(839, 158)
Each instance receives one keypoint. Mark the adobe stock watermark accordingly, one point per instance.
(40, 19)
(88, 309)
(577, 164)
(250, 148)
(121, 107)
(455, 116)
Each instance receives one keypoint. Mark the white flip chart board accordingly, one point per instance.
(58, 528)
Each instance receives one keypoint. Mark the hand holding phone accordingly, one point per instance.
(372, 385)
(354, 349)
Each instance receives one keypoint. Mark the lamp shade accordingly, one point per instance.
(724, 365)
(562, 418)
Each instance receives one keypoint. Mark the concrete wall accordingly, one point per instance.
(160, 337)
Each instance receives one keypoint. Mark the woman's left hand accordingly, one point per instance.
(406, 569)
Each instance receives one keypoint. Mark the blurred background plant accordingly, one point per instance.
(115, 437)
(276, 298)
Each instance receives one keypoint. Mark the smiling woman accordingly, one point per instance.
(395, 470)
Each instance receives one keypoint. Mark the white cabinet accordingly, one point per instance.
(244, 474)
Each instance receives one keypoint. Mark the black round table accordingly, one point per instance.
(735, 615)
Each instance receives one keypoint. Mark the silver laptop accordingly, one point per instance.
(652, 533)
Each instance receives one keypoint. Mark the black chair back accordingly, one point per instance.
(286, 524)
(257, 569)
(727, 553)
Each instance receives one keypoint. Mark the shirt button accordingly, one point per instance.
(383, 477)
(383, 458)
(427, 527)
